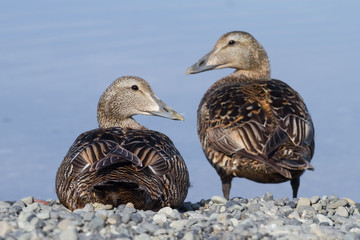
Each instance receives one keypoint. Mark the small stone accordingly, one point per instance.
(160, 231)
(69, 234)
(101, 213)
(189, 236)
(136, 217)
(325, 219)
(303, 202)
(88, 208)
(222, 209)
(4, 206)
(96, 223)
(28, 200)
(100, 206)
(142, 236)
(114, 219)
(5, 228)
(19, 203)
(307, 212)
(314, 199)
(268, 197)
(350, 201)
(186, 206)
(43, 215)
(254, 207)
(125, 218)
(150, 228)
(196, 206)
(129, 205)
(218, 200)
(63, 224)
(178, 225)
(15, 209)
(166, 211)
(54, 214)
(27, 221)
(159, 218)
(331, 212)
(128, 210)
(87, 216)
(338, 203)
(317, 206)
(342, 212)
(234, 221)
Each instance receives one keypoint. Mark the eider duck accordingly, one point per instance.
(122, 161)
(249, 125)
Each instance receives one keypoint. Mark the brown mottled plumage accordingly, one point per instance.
(122, 161)
(250, 125)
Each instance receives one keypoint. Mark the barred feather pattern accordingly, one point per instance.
(257, 129)
(115, 166)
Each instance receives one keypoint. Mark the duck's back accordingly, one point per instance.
(116, 166)
(257, 129)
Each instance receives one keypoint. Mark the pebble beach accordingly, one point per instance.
(318, 217)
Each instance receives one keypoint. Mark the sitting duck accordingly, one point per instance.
(250, 125)
(122, 161)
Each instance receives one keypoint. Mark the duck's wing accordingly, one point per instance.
(254, 120)
(155, 150)
(99, 149)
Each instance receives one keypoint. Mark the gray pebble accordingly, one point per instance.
(142, 236)
(306, 212)
(254, 207)
(342, 212)
(69, 234)
(303, 202)
(136, 217)
(239, 218)
(43, 215)
(314, 199)
(338, 203)
(27, 200)
(96, 223)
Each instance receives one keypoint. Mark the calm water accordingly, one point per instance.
(56, 59)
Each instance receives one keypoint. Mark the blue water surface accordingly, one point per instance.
(57, 57)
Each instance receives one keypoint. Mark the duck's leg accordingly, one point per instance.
(295, 183)
(226, 185)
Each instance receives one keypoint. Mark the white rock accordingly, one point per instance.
(178, 225)
(69, 234)
(159, 218)
(167, 211)
(342, 212)
(4, 228)
(303, 202)
(323, 218)
(234, 221)
(28, 200)
(189, 236)
(218, 200)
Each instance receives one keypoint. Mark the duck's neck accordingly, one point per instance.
(128, 123)
(261, 69)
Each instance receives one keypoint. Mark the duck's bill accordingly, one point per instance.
(201, 65)
(166, 111)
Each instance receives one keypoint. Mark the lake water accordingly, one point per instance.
(56, 58)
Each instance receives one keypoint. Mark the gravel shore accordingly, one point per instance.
(326, 217)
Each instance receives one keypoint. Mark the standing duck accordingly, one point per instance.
(250, 125)
(122, 161)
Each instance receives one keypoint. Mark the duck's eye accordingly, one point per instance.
(134, 87)
(231, 42)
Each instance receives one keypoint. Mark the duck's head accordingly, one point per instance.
(128, 96)
(239, 50)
